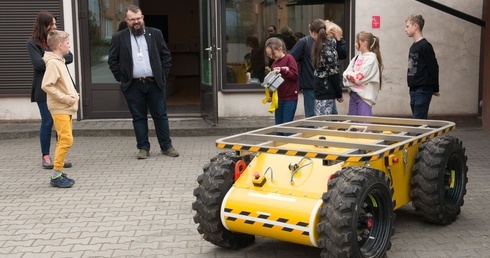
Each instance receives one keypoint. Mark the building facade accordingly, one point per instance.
(207, 39)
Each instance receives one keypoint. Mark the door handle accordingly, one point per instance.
(209, 49)
(210, 55)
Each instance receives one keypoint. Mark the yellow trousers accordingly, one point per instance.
(64, 127)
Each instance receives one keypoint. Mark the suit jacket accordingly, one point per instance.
(121, 59)
(36, 54)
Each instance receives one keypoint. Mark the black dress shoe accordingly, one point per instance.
(67, 164)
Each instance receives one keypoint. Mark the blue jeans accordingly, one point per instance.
(142, 96)
(334, 108)
(46, 127)
(309, 102)
(285, 111)
(419, 101)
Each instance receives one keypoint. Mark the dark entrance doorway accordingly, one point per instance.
(182, 26)
(179, 22)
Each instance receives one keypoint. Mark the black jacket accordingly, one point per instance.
(328, 87)
(36, 54)
(121, 60)
(302, 53)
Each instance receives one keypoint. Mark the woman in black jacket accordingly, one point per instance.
(324, 57)
(36, 46)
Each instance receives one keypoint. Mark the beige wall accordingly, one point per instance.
(455, 41)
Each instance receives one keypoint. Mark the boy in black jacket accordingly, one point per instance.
(423, 70)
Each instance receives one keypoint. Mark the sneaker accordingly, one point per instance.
(143, 154)
(66, 176)
(62, 181)
(46, 162)
(172, 152)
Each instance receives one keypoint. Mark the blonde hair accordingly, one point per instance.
(416, 19)
(55, 37)
(333, 27)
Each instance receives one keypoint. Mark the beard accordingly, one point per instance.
(140, 31)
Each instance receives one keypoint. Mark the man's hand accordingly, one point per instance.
(437, 94)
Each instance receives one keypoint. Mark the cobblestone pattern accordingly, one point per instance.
(123, 207)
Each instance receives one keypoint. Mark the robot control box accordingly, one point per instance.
(272, 81)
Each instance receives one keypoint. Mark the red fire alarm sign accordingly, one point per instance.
(376, 22)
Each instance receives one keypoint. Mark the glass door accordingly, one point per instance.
(210, 54)
(102, 97)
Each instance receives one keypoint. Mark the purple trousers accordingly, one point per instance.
(358, 107)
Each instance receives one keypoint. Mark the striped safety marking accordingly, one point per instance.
(275, 150)
(263, 219)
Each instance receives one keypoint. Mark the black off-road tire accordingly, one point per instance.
(357, 218)
(435, 197)
(214, 183)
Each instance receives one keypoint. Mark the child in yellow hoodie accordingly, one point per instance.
(62, 100)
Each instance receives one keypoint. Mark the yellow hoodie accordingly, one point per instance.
(58, 85)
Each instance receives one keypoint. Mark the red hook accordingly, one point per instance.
(239, 168)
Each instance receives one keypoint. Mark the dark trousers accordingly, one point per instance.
(46, 127)
(309, 102)
(419, 101)
(142, 96)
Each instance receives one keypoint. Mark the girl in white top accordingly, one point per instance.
(363, 75)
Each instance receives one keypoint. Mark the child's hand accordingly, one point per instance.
(277, 69)
(340, 100)
(72, 101)
(337, 34)
(351, 78)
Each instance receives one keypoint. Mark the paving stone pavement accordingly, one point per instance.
(123, 207)
(124, 127)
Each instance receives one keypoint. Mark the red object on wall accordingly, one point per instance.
(376, 22)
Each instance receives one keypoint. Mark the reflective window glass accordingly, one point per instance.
(248, 24)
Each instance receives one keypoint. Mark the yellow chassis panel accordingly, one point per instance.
(285, 206)
(287, 218)
(399, 173)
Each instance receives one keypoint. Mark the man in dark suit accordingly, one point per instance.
(140, 61)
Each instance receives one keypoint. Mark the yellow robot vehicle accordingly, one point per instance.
(331, 182)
